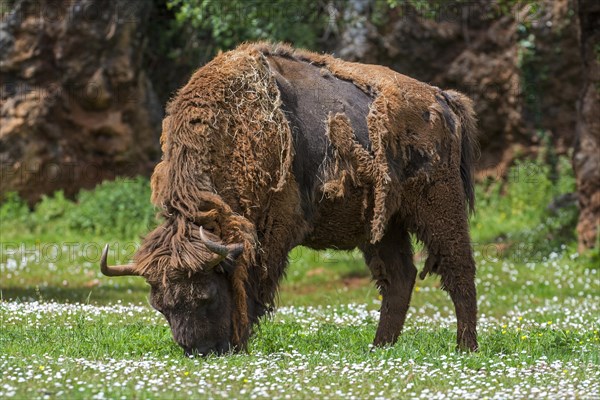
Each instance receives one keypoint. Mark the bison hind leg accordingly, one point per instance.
(451, 257)
(458, 279)
(391, 263)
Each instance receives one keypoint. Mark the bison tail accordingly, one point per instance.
(462, 106)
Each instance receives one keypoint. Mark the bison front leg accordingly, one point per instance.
(391, 264)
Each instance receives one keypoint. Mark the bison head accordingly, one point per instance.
(195, 294)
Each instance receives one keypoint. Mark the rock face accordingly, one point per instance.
(586, 157)
(76, 106)
(511, 61)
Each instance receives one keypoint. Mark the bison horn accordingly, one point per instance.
(231, 251)
(115, 270)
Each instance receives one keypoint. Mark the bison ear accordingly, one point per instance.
(227, 266)
(235, 251)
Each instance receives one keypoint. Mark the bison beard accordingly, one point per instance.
(267, 148)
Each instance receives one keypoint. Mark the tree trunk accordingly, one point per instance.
(586, 155)
(76, 106)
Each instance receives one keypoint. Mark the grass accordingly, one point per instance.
(69, 332)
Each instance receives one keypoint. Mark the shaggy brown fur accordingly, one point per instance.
(274, 147)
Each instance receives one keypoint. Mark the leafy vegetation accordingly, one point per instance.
(119, 208)
(519, 212)
(232, 22)
(67, 331)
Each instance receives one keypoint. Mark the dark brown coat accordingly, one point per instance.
(272, 147)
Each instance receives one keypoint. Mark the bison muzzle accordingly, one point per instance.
(267, 148)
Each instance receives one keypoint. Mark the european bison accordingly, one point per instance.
(267, 148)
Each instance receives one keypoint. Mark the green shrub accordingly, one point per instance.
(13, 209)
(516, 210)
(117, 209)
(120, 208)
(53, 211)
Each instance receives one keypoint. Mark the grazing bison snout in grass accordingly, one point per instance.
(198, 306)
(267, 148)
(198, 312)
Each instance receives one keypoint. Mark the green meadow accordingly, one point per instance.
(69, 332)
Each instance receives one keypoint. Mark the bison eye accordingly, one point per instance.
(153, 299)
(154, 305)
(205, 293)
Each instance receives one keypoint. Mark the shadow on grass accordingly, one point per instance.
(95, 295)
